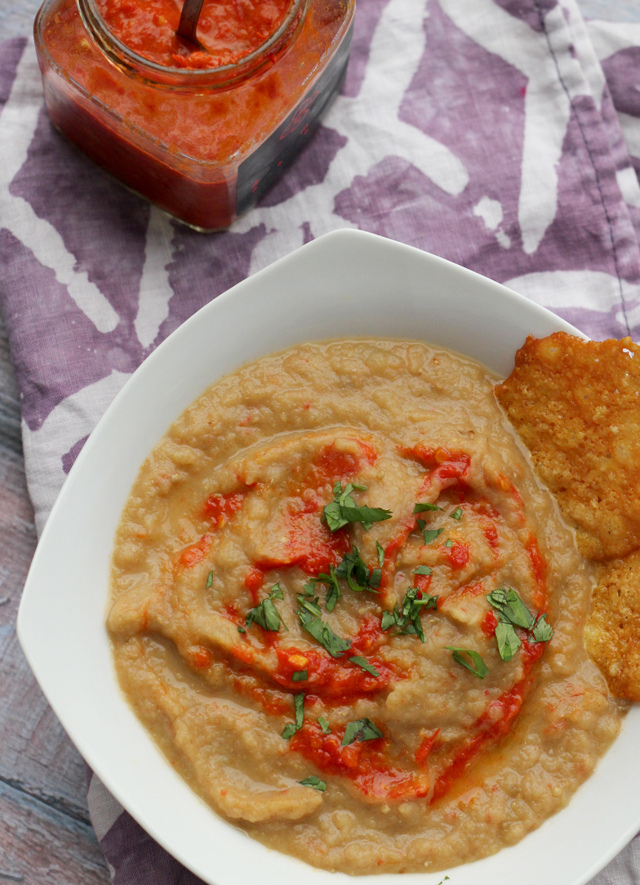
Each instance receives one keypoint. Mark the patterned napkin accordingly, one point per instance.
(501, 134)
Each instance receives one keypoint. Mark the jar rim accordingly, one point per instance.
(221, 75)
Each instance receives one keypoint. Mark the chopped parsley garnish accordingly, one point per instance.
(423, 570)
(448, 543)
(511, 608)
(310, 620)
(507, 639)
(542, 631)
(355, 572)
(360, 730)
(388, 619)
(514, 613)
(380, 552)
(469, 659)
(309, 588)
(420, 508)
(291, 727)
(457, 513)
(324, 725)
(407, 618)
(266, 615)
(343, 509)
(241, 630)
(209, 580)
(299, 676)
(429, 535)
(353, 569)
(364, 663)
(309, 605)
(314, 781)
(333, 593)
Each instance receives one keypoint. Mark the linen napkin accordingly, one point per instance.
(501, 134)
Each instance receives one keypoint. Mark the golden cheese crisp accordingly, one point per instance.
(576, 405)
(612, 633)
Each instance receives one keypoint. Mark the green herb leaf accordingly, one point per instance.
(209, 580)
(423, 570)
(407, 618)
(430, 535)
(266, 615)
(241, 630)
(299, 676)
(343, 509)
(457, 513)
(388, 620)
(333, 593)
(511, 608)
(380, 552)
(507, 639)
(324, 725)
(448, 543)
(360, 730)
(410, 620)
(315, 782)
(513, 612)
(542, 631)
(332, 515)
(335, 645)
(291, 727)
(420, 508)
(309, 605)
(364, 663)
(366, 515)
(469, 659)
(354, 570)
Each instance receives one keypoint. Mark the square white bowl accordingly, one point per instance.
(347, 283)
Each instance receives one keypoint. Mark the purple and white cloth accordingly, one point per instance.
(501, 134)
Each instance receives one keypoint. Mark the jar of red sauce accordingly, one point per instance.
(201, 132)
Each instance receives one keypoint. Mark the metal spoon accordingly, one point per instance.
(188, 24)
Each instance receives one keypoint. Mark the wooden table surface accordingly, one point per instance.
(45, 833)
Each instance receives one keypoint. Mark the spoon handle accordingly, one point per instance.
(188, 24)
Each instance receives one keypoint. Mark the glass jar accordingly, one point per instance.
(203, 143)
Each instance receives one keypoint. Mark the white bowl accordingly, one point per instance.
(344, 284)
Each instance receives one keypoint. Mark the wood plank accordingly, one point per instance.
(45, 833)
(34, 749)
(10, 437)
(39, 844)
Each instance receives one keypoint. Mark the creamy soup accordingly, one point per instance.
(351, 617)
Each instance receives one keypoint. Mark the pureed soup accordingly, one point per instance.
(351, 617)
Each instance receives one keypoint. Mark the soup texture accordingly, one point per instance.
(350, 615)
